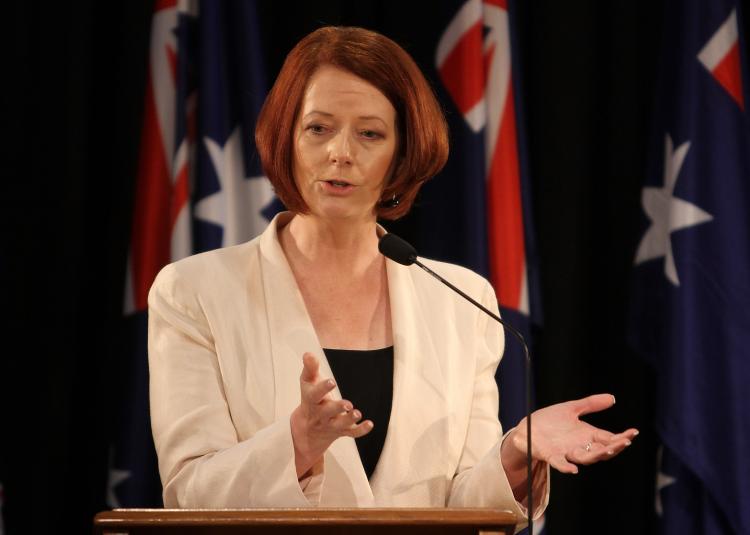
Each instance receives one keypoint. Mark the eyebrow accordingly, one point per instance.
(327, 114)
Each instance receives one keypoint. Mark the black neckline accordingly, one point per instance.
(379, 350)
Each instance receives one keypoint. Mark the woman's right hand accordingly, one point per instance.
(319, 420)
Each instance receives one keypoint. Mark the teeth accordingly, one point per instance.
(338, 184)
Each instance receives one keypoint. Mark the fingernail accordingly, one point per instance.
(613, 400)
(369, 425)
(628, 443)
(610, 452)
(330, 382)
(636, 433)
(357, 415)
(348, 407)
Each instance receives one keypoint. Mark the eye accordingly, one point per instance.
(317, 129)
(371, 134)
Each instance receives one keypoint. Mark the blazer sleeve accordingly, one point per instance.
(480, 479)
(202, 463)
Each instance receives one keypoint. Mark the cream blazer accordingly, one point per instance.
(227, 331)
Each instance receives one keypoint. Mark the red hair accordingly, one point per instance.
(422, 131)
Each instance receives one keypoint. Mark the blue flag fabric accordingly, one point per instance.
(485, 184)
(199, 187)
(691, 293)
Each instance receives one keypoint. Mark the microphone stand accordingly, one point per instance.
(520, 338)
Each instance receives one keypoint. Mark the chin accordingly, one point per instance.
(343, 211)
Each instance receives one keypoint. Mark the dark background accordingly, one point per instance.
(74, 80)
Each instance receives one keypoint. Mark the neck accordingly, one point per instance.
(344, 243)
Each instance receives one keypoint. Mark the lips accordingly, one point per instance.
(337, 187)
(338, 183)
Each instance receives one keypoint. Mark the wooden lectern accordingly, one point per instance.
(305, 521)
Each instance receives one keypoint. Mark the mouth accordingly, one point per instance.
(338, 183)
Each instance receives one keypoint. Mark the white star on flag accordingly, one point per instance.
(667, 213)
(662, 481)
(114, 478)
(238, 204)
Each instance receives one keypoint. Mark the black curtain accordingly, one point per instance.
(75, 80)
(76, 77)
(589, 73)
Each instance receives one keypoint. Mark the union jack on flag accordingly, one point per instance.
(199, 187)
(474, 62)
(692, 271)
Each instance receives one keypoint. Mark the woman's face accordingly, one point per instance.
(344, 143)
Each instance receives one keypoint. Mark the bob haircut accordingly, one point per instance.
(421, 127)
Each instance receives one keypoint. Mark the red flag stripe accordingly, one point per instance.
(151, 220)
(721, 56)
(504, 212)
(728, 74)
(502, 4)
(164, 4)
(462, 71)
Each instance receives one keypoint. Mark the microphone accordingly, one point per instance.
(401, 251)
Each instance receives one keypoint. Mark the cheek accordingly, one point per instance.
(300, 166)
(386, 165)
(306, 160)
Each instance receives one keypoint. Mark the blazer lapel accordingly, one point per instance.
(292, 334)
(418, 428)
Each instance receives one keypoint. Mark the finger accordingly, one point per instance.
(329, 409)
(359, 430)
(594, 403)
(351, 418)
(602, 436)
(607, 452)
(344, 421)
(561, 464)
(605, 437)
(310, 367)
(587, 454)
(594, 452)
(315, 393)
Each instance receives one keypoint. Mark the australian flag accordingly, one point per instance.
(475, 66)
(690, 314)
(475, 60)
(199, 187)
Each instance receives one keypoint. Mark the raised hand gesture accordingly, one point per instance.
(319, 420)
(562, 439)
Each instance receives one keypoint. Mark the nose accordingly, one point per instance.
(340, 149)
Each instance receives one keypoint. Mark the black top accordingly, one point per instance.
(365, 377)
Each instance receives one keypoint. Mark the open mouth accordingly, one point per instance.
(338, 183)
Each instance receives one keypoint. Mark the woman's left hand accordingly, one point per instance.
(559, 437)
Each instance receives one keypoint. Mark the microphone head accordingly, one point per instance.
(398, 250)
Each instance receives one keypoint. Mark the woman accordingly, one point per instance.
(245, 408)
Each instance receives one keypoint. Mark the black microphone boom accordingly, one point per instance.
(401, 251)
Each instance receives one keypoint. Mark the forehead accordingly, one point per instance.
(334, 90)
